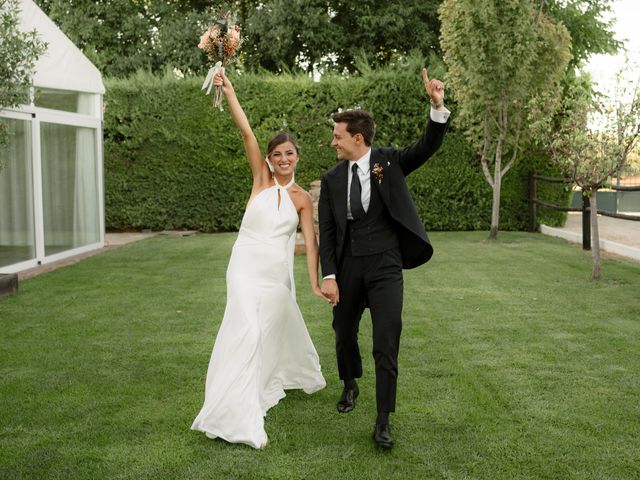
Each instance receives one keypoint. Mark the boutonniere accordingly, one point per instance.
(377, 171)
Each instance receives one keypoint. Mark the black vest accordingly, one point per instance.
(373, 233)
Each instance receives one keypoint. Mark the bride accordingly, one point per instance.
(263, 346)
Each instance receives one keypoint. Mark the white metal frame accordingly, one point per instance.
(36, 115)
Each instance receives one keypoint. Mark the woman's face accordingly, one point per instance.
(284, 158)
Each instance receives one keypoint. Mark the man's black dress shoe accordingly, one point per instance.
(382, 436)
(348, 399)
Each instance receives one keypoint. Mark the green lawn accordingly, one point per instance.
(513, 364)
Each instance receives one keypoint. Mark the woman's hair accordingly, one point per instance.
(358, 121)
(280, 138)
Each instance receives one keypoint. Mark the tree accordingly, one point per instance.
(19, 52)
(123, 36)
(115, 35)
(302, 41)
(380, 31)
(590, 33)
(594, 141)
(506, 59)
(335, 34)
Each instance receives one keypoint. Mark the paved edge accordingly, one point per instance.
(606, 245)
(124, 239)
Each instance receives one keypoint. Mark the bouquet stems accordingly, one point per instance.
(217, 98)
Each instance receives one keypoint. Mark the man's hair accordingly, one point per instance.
(358, 121)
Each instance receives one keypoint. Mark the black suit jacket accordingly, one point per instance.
(396, 164)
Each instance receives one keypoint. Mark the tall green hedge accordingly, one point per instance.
(172, 161)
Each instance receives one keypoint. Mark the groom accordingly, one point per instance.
(369, 232)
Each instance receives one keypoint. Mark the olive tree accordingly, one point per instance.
(593, 142)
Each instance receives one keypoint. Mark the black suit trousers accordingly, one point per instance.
(373, 281)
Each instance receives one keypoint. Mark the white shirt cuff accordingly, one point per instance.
(332, 277)
(440, 116)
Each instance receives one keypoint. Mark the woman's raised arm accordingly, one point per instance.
(259, 168)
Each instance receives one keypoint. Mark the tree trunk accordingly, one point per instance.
(497, 186)
(595, 236)
(495, 209)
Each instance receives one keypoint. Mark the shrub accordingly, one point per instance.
(173, 162)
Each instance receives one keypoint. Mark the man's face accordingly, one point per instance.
(347, 146)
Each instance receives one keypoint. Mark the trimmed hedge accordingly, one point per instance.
(172, 161)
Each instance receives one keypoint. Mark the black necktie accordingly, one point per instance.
(355, 194)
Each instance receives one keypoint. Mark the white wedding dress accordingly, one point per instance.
(263, 346)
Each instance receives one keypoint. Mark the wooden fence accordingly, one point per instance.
(534, 202)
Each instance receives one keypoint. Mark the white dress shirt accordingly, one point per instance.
(440, 116)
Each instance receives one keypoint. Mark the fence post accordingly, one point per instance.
(586, 223)
(533, 220)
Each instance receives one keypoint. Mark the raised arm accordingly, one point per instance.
(257, 164)
(416, 155)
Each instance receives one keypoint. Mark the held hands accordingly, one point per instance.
(435, 89)
(317, 291)
(330, 291)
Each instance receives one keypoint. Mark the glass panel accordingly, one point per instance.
(17, 232)
(66, 100)
(69, 187)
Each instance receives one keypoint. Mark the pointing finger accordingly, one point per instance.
(425, 80)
